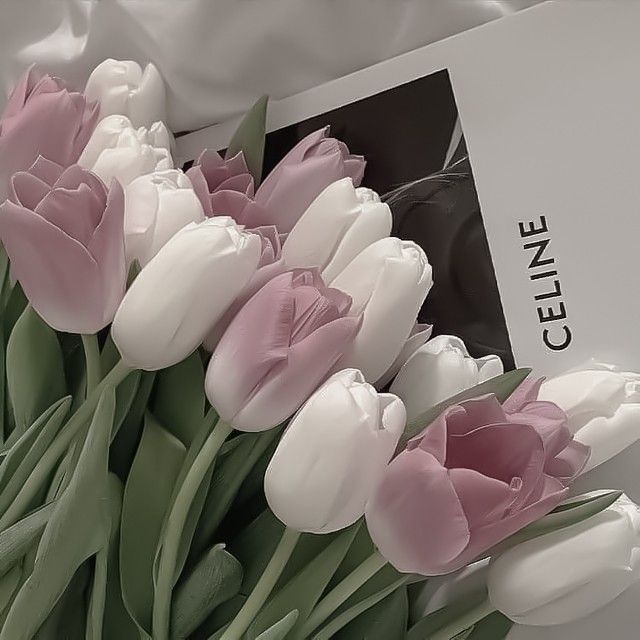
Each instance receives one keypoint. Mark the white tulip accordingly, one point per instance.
(418, 336)
(333, 454)
(570, 573)
(603, 407)
(388, 283)
(337, 226)
(117, 150)
(157, 206)
(439, 369)
(123, 88)
(183, 291)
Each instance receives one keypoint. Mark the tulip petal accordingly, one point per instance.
(28, 190)
(46, 170)
(415, 517)
(58, 274)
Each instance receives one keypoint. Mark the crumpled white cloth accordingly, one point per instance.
(218, 56)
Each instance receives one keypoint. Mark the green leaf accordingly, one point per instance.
(77, 529)
(35, 369)
(568, 513)
(220, 619)
(8, 584)
(281, 628)
(501, 386)
(118, 624)
(439, 619)
(463, 635)
(386, 620)
(214, 580)
(179, 398)
(16, 304)
(125, 443)
(147, 496)
(303, 591)
(346, 616)
(228, 477)
(4, 433)
(494, 627)
(250, 137)
(18, 538)
(27, 451)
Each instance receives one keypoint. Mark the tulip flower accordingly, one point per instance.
(269, 266)
(117, 150)
(603, 406)
(157, 206)
(225, 187)
(570, 573)
(121, 87)
(333, 454)
(42, 118)
(277, 349)
(420, 333)
(183, 291)
(485, 470)
(63, 231)
(388, 283)
(313, 164)
(438, 370)
(337, 226)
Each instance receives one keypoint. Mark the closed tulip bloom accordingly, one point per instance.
(337, 226)
(269, 266)
(118, 150)
(388, 283)
(479, 473)
(63, 231)
(277, 349)
(603, 407)
(157, 206)
(570, 573)
(420, 333)
(183, 291)
(438, 370)
(225, 187)
(333, 454)
(313, 164)
(42, 118)
(122, 87)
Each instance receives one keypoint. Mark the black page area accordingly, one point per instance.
(405, 133)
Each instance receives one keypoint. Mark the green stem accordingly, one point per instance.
(465, 621)
(264, 586)
(59, 445)
(92, 359)
(175, 525)
(343, 590)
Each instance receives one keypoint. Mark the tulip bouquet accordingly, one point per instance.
(220, 420)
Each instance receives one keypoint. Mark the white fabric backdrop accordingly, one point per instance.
(217, 56)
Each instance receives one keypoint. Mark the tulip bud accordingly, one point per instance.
(63, 231)
(337, 226)
(277, 349)
(313, 164)
(388, 283)
(157, 206)
(183, 291)
(117, 150)
(603, 407)
(225, 187)
(333, 454)
(438, 370)
(569, 573)
(42, 117)
(123, 88)
(420, 333)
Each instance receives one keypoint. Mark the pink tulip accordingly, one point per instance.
(311, 166)
(42, 118)
(63, 231)
(278, 349)
(225, 188)
(475, 476)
